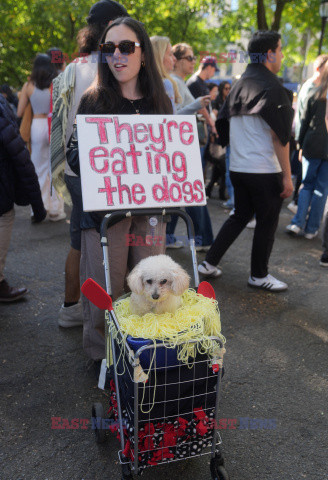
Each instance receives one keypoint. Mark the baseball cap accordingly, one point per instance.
(209, 60)
(104, 11)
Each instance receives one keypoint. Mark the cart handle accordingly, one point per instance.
(114, 217)
(97, 295)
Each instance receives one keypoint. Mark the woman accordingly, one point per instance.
(37, 92)
(224, 90)
(165, 61)
(313, 141)
(128, 82)
(183, 104)
(218, 163)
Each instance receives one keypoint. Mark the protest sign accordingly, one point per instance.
(139, 161)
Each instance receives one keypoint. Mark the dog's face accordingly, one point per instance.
(158, 277)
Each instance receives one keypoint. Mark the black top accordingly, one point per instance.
(259, 92)
(18, 181)
(197, 86)
(128, 107)
(313, 137)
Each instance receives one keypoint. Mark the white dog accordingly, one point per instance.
(157, 284)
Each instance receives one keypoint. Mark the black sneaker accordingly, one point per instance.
(324, 260)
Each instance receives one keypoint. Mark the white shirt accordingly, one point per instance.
(251, 146)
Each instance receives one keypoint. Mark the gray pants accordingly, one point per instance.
(6, 226)
(122, 258)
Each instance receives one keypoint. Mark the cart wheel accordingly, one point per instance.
(98, 412)
(218, 471)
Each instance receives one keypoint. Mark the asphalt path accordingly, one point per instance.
(276, 366)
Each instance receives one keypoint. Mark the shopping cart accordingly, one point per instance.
(162, 409)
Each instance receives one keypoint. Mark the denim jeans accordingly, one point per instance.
(325, 236)
(313, 195)
(231, 201)
(202, 224)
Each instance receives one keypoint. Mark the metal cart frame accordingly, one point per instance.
(131, 359)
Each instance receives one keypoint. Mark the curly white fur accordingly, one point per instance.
(157, 284)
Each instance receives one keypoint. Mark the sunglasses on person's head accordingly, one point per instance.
(189, 58)
(126, 47)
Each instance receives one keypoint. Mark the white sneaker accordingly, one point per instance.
(310, 236)
(251, 224)
(56, 218)
(71, 316)
(203, 248)
(176, 244)
(293, 229)
(267, 283)
(292, 207)
(209, 270)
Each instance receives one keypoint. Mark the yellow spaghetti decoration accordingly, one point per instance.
(197, 319)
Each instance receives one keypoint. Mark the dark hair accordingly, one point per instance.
(10, 95)
(58, 64)
(106, 95)
(211, 85)
(88, 37)
(263, 41)
(321, 90)
(179, 50)
(221, 88)
(43, 71)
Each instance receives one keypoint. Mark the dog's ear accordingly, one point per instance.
(180, 281)
(134, 280)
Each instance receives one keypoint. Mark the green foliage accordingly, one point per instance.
(32, 26)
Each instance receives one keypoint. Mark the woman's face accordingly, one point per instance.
(125, 68)
(226, 90)
(214, 93)
(169, 59)
(187, 62)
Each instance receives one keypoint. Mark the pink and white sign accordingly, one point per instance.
(139, 161)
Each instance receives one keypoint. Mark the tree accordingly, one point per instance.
(32, 26)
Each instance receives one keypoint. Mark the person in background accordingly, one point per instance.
(37, 92)
(224, 90)
(303, 94)
(10, 96)
(135, 89)
(57, 59)
(198, 87)
(218, 164)
(313, 142)
(21, 186)
(184, 66)
(68, 89)
(165, 61)
(259, 162)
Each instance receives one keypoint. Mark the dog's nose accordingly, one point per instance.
(155, 296)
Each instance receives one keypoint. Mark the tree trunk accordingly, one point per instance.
(280, 5)
(261, 18)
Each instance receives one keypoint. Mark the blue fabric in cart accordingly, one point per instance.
(171, 392)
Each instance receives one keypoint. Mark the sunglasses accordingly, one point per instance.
(126, 47)
(189, 58)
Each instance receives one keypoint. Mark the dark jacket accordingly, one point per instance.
(313, 136)
(259, 92)
(18, 181)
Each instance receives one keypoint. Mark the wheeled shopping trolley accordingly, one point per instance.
(163, 410)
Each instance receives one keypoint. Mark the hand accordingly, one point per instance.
(288, 187)
(300, 155)
(205, 100)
